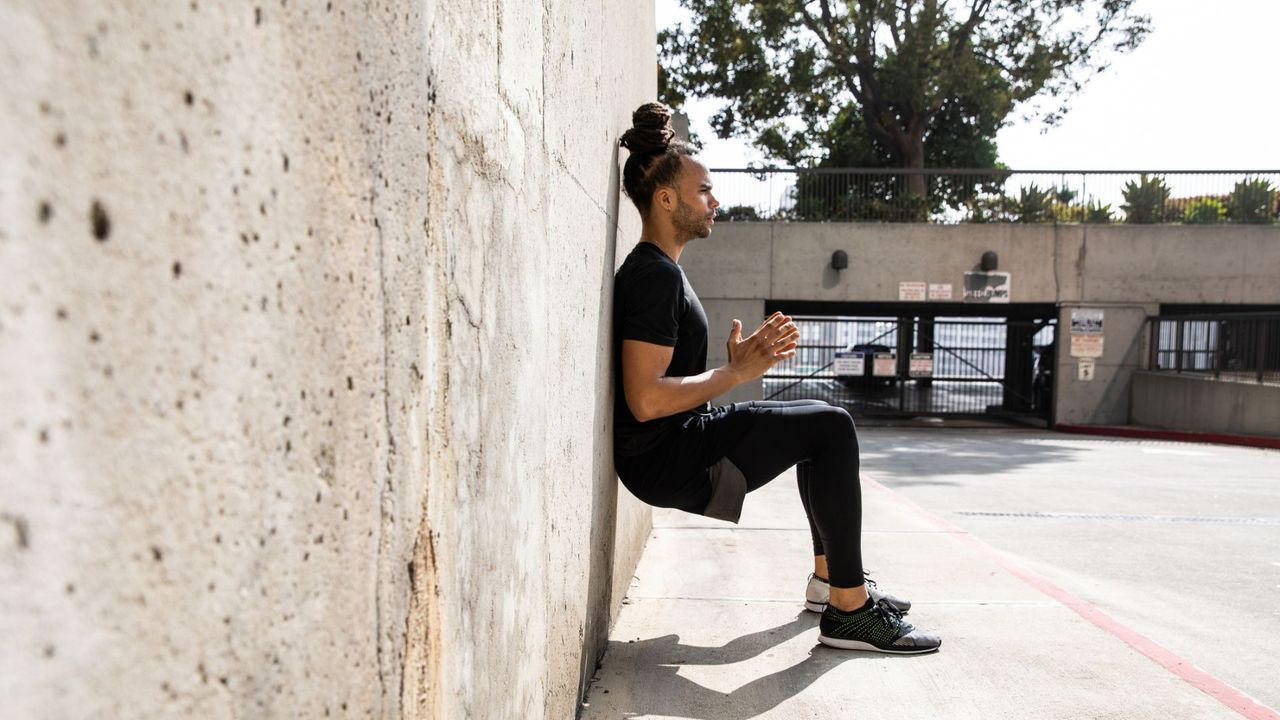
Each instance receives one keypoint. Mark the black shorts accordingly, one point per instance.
(689, 470)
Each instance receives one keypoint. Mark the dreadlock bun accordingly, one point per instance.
(651, 131)
(655, 154)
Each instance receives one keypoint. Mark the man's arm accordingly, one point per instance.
(650, 394)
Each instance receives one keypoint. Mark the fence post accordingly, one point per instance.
(1152, 343)
(1262, 347)
(1177, 348)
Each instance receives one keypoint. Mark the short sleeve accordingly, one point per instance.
(651, 310)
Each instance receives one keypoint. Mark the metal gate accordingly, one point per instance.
(922, 365)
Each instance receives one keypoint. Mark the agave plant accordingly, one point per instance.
(1144, 200)
(1251, 202)
(1034, 205)
(1098, 214)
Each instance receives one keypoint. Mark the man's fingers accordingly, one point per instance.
(786, 334)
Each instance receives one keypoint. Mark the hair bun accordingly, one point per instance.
(651, 132)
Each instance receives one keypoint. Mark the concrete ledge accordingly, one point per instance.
(1204, 405)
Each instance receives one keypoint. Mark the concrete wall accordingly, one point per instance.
(1126, 270)
(1199, 404)
(304, 374)
(1048, 263)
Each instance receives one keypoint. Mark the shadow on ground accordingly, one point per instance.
(916, 457)
(666, 693)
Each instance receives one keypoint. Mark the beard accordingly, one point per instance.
(688, 223)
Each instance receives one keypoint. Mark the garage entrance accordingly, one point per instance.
(886, 360)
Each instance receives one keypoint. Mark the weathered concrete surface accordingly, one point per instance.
(714, 628)
(304, 373)
(1202, 404)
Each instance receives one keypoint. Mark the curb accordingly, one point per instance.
(1174, 435)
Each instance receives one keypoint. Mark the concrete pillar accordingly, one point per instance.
(1104, 400)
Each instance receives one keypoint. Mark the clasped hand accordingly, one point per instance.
(774, 341)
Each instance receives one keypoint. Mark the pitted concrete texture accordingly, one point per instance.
(1174, 542)
(304, 367)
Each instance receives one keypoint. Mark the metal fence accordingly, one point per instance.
(1243, 347)
(976, 366)
(987, 196)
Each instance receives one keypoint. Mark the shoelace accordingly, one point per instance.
(891, 616)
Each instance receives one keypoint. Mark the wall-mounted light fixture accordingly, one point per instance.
(839, 260)
(990, 261)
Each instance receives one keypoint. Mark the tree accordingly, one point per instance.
(888, 83)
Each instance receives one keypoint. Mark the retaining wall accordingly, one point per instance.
(1199, 404)
(304, 379)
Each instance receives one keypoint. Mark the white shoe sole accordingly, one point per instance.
(859, 645)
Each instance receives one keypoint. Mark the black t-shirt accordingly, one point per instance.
(653, 302)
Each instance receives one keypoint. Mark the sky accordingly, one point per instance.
(1202, 92)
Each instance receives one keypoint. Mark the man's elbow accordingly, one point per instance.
(641, 410)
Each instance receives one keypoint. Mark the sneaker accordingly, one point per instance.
(877, 627)
(818, 590)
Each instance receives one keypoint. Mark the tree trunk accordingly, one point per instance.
(913, 158)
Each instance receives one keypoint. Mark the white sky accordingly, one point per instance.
(1202, 92)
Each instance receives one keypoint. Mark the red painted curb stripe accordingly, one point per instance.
(1210, 685)
(1174, 435)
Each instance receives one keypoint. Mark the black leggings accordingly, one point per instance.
(822, 440)
(762, 439)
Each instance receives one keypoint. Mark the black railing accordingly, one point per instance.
(994, 195)
(1243, 347)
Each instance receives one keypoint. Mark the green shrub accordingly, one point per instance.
(1098, 214)
(1144, 200)
(1204, 211)
(1034, 205)
(991, 209)
(1251, 202)
(1067, 212)
(737, 213)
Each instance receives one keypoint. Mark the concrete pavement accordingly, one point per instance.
(1069, 577)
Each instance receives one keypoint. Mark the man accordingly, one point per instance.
(672, 449)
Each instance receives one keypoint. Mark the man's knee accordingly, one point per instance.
(840, 419)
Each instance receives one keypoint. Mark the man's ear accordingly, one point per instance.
(665, 198)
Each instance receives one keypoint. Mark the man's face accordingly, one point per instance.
(695, 209)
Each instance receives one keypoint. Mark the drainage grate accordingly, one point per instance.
(1128, 518)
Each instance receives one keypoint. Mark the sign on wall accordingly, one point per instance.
(1087, 335)
(1087, 320)
(987, 287)
(912, 291)
(1085, 369)
(939, 291)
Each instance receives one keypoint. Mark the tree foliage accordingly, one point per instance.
(879, 83)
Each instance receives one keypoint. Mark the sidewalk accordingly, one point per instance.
(1069, 577)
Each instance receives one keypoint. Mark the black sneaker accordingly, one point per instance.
(877, 627)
